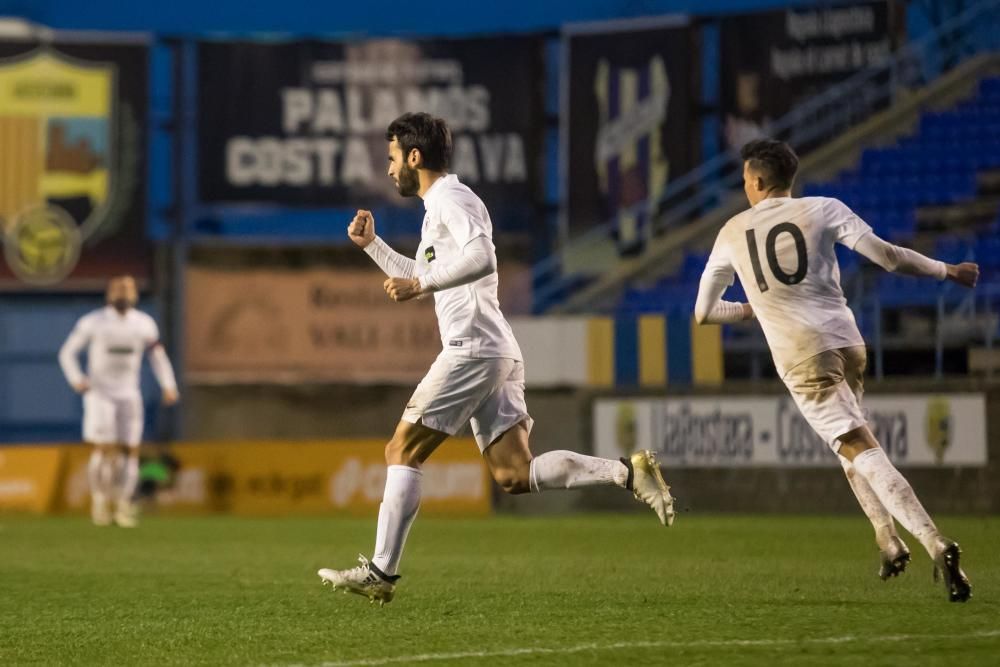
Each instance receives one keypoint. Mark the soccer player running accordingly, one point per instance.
(116, 338)
(782, 249)
(478, 377)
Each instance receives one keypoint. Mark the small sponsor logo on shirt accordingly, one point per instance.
(456, 343)
(429, 254)
(119, 349)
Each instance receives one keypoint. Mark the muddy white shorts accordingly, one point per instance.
(112, 421)
(457, 390)
(828, 388)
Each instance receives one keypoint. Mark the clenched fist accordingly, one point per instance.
(362, 229)
(965, 274)
(402, 289)
(170, 397)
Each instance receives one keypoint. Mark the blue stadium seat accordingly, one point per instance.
(953, 249)
(987, 252)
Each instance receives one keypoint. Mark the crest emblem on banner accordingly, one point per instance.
(58, 167)
(628, 152)
(939, 427)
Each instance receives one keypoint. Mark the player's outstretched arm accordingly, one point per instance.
(69, 358)
(478, 260)
(164, 373)
(361, 231)
(897, 259)
(709, 308)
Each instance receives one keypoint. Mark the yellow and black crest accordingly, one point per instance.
(57, 120)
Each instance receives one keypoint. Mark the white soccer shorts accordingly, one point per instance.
(457, 390)
(112, 421)
(828, 388)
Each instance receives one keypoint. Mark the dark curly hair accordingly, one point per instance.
(427, 134)
(774, 160)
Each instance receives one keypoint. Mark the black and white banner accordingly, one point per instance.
(629, 121)
(914, 429)
(772, 61)
(303, 123)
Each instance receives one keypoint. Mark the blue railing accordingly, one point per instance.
(818, 119)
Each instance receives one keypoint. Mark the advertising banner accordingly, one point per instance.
(312, 325)
(927, 430)
(268, 478)
(772, 61)
(628, 122)
(28, 477)
(72, 163)
(303, 123)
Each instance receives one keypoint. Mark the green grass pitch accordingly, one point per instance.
(583, 590)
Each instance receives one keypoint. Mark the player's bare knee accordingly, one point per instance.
(400, 452)
(856, 441)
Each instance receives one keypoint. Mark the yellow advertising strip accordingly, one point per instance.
(20, 164)
(28, 478)
(652, 351)
(275, 478)
(601, 352)
(706, 354)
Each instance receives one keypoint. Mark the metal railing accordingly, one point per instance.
(954, 318)
(818, 119)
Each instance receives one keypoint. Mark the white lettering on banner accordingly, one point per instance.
(835, 23)
(276, 161)
(914, 430)
(388, 72)
(850, 42)
(189, 488)
(359, 110)
(13, 488)
(333, 136)
(441, 481)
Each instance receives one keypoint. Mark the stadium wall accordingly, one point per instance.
(331, 439)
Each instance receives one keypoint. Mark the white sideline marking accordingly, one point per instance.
(706, 643)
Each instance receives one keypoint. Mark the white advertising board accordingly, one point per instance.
(915, 430)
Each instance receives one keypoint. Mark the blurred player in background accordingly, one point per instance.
(116, 337)
(479, 376)
(782, 249)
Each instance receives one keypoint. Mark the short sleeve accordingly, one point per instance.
(846, 226)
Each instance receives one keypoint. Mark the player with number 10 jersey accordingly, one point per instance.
(782, 249)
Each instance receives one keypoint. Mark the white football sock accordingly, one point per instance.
(870, 504)
(400, 502)
(563, 469)
(130, 479)
(96, 475)
(897, 495)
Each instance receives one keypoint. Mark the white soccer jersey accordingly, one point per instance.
(469, 315)
(783, 251)
(115, 346)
